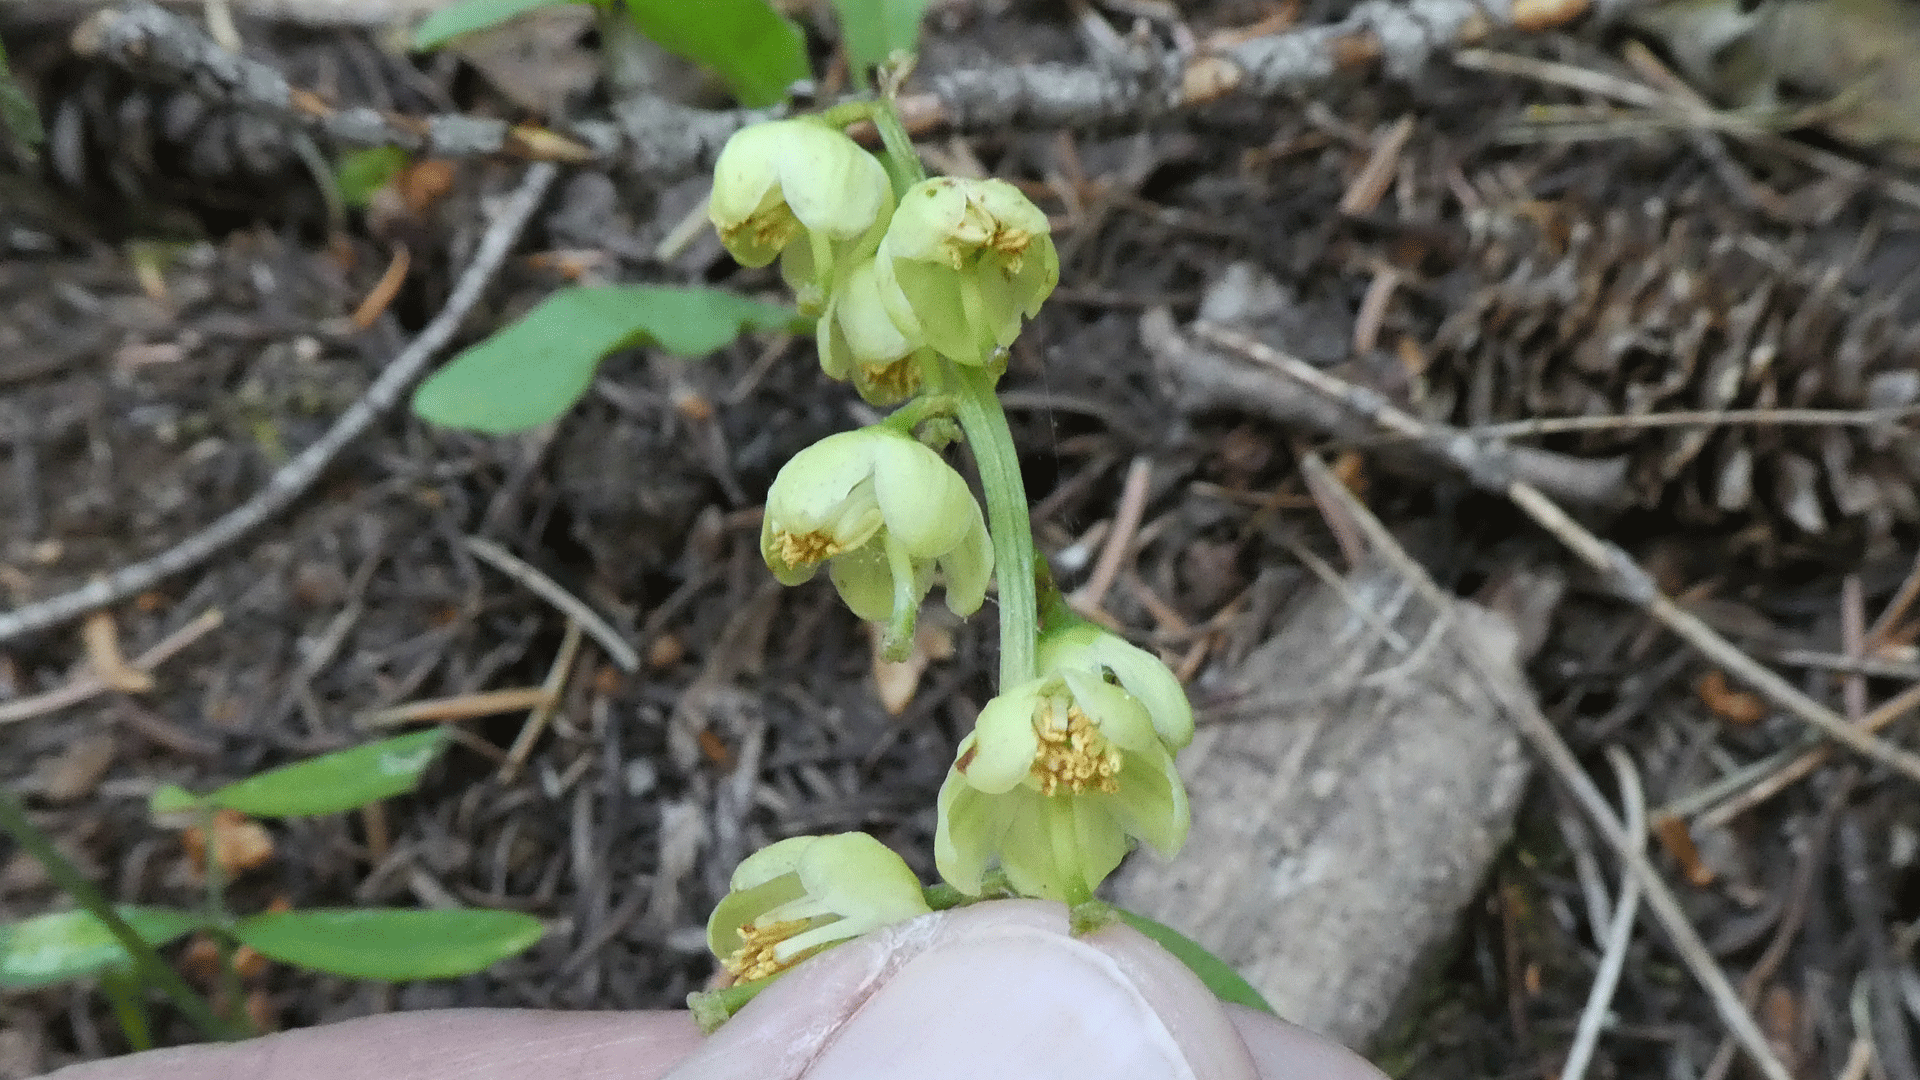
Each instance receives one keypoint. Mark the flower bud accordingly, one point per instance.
(886, 512)
(793, 898)
(1057, 779)
(968, 260)
(799, 185)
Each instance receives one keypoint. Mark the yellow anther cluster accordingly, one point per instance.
(1074, 756)
(754, 959)
(806, 549)
(895, 381)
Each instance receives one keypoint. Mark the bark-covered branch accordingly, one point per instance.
(665, 140)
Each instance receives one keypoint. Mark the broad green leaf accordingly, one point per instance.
(1226, 983)
(363, 172)
(746, 42)
(535, 369)
(466, 16)
(67, 945)
(330, 783)
(875, 29)
(19, 119)
(389, 944)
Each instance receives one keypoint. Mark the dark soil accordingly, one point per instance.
(135, 409)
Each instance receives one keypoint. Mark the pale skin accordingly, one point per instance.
(999, 990)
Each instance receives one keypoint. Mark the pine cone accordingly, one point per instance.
(1634, 313)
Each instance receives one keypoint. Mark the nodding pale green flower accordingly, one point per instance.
(1086, 647)
(857, 340)
(1056, 781)
(886, 512)
(793, 898)
(970, 259)
(800, 188)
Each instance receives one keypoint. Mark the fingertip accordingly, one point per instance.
(465, 1044)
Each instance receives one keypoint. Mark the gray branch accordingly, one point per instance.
(665, 140)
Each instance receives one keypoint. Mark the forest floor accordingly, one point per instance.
(161, 356)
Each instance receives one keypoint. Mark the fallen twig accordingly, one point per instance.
(300, 473)
(91, 683)
(1546, 741)
(550, 590)
(664, 140)
(1489, 466)
(1553, 425)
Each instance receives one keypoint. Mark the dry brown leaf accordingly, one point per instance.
(76, 771)
(239, 842)
(538, 59)
(1677, 839)
(102, 639)
(1728, 703)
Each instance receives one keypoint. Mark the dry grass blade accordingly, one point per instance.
(570, 605)
(459, 707)
(1119, 543)
(1619, 930)
(542, 713)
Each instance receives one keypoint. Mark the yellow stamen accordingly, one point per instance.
(754, 959)
(893, 381)
(805, 549)
(1074, 756)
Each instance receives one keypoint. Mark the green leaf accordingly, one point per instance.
(875, 29)
(466, 16)
(19, 119)
(67, 945)
(535, 369)
(173, 799)
(363, 172)
(1226, 983)
(334, 782)
(389, 944)
(745, 42)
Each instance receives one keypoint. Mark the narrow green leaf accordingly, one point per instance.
(875, 29)
(535, 369)
(330, 783)
(173, 799)
(1219, 977)
(363, 172)
(389, 944)
(466, 16)
(746, 42)
(19, 119)
(67, 945)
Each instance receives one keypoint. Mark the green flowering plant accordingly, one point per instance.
(918, 291)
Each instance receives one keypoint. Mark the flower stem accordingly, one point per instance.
(991, 441)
